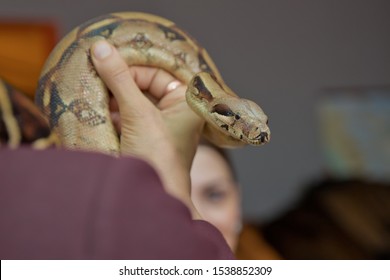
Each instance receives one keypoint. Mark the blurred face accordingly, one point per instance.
(215, 193)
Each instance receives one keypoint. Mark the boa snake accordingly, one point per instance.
(74, 99)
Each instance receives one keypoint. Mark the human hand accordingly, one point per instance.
(160, 129)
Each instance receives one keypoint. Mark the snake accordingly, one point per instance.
(74, 100)
(21, 122)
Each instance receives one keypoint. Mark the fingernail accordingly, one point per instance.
(101, 50)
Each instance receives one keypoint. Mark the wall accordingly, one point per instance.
(280, 54)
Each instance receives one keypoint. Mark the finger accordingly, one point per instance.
(157, 82)
(115, 73)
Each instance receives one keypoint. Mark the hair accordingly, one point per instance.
(222, 152)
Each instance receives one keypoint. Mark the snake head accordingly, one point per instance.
(242, 119)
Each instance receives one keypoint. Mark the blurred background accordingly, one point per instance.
(319, 69)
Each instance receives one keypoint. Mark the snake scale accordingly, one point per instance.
(74, 100)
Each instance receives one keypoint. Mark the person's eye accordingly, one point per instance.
(215, 195)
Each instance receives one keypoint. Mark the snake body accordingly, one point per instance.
(21, 122)
(75, 100)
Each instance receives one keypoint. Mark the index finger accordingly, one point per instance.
(157, 82)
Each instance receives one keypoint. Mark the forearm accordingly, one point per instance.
(173, 169)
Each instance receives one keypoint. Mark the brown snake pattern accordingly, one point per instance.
(21, 122)
(75, 101)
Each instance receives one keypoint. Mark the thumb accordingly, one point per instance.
(115, 73)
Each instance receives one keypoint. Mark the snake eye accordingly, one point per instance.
(237, 116)
(223, 109)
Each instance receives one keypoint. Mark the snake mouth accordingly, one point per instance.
(262, 137)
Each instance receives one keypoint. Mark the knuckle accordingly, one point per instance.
(121, 74)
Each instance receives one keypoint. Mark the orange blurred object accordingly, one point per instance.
(253, 246)
(24, 47)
